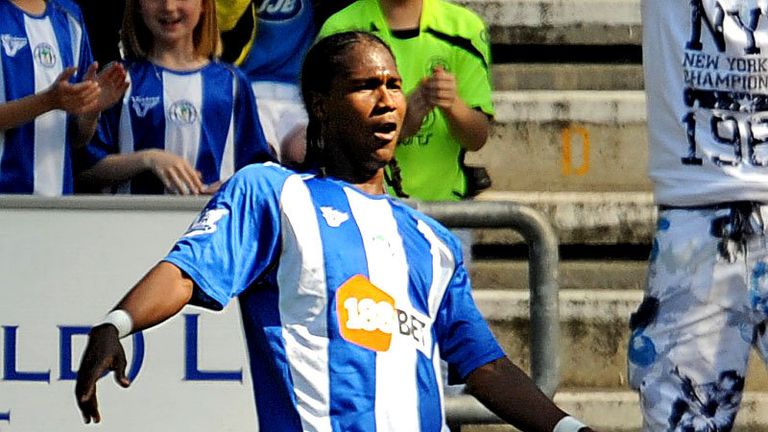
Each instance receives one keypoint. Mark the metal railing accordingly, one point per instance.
(542, 281)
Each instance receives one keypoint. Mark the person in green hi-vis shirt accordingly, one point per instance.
(443, 55)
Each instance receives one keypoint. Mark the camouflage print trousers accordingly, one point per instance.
(705, 306)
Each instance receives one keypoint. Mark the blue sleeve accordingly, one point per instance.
(235, 239)
(105, 140)
(86, 55)
(250, 144)
(465, 340)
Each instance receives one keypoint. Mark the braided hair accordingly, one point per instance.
(324, 61)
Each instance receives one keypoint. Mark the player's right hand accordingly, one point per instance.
(102, 354)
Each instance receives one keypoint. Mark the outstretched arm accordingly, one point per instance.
(161, 294)
(507, 391)
(73, 98)
(85, 99)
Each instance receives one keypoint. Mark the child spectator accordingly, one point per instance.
(188, 121)
(50, 94)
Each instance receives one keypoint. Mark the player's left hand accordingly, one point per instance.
(103, 353)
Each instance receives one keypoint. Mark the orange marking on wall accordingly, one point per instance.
(567, 137)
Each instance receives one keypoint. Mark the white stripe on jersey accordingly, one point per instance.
(303, 300)
(227, 168)
(396, 405)
(438, 364)
(49, 144)
(125, 134)
(77, 33)
(182, 93)
(443, 264)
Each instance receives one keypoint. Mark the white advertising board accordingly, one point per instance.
(65, 263)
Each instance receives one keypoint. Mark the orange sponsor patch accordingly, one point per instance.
(367, 315)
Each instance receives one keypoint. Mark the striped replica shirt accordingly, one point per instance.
(36, 157)
(349, 301)
(206, 116)
(285, 31)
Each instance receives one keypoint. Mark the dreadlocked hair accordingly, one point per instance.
(325, 61)
(394, 179)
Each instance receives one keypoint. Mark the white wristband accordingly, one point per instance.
(121, 320)
(568, 424)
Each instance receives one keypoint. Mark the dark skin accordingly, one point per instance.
(363, 114)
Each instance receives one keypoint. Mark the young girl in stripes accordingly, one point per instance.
(187, 121)
(50, 94)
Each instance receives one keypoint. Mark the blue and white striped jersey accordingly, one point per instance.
(207, 116)
(349, 301)
(36, 157)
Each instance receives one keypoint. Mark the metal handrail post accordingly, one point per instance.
(543, 283)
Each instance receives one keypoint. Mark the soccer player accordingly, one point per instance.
(188, 121)
(349, 297)
(706, 301)
(50, 94)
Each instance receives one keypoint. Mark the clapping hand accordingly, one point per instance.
(112, 83)
(95, 93)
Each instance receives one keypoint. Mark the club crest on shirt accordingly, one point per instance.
(206, 222)
(183, 112)
(45, 55)
(12, 44)
(142, 104)
(334, 218)
(368, 317)
(437, 62)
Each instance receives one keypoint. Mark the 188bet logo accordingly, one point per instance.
(368, 317)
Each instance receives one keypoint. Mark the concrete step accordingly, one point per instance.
(567, 76)
(567, 141)
(599, 107)
(594, 335)
(579, 22)
(582, 218)
(597, 275)
(619, 411)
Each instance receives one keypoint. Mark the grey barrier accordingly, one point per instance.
(531, 224)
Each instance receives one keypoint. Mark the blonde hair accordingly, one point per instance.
(136, 39)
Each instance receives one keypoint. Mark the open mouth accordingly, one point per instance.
(165, 22)
(386, 131)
